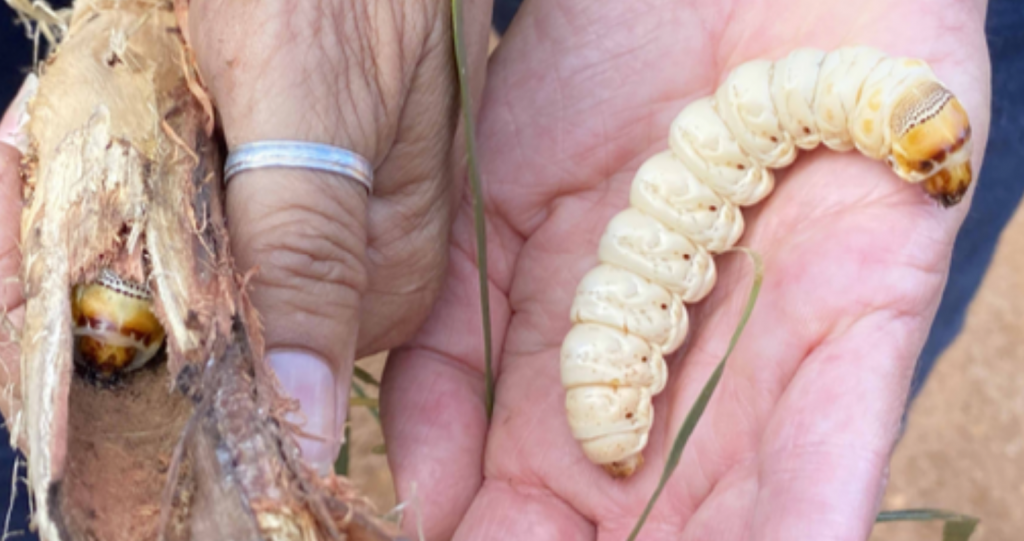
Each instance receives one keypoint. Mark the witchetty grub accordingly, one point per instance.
(684, 206)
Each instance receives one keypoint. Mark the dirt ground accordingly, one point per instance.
(964, 446)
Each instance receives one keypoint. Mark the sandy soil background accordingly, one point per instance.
(964, 446)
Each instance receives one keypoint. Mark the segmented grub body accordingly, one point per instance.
(657, 255)
(114, 324)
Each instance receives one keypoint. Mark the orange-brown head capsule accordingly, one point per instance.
(932, 142)
(114, 325)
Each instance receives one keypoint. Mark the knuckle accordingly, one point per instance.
(313, 258)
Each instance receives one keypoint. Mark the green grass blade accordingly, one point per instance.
(365, 377)
(701, 403)
(469, 128)
(341, 464)
(362, 399)
(367, 402)
(957, 528)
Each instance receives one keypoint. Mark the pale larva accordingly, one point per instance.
(656, 255)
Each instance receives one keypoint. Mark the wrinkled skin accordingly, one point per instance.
(795, 443)
(372, 77)
(338, 275)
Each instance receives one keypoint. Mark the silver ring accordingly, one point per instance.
(299, 154)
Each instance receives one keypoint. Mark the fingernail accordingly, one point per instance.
(310, 380)
(17, 114)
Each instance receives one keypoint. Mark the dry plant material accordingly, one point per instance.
(122, 186)
(657, 255)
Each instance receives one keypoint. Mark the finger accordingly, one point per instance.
(321, 72)
(304, 234)
(433, 409)
(11, 301)
(503, 511)
(826, 448)
(435, 429)
(433, 403)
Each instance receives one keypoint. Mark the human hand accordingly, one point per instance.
(12, 305)
(795, 442)
(339, 274)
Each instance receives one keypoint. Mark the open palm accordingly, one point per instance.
(795, 443)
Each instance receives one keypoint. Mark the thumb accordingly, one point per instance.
(320, 72)
(304, 233)
(279, 70)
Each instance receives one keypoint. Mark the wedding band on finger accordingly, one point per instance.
(299, 155)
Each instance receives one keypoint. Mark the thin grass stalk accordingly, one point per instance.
(957, 527)
(362, 375)
(469, 129)
(341, 465)
(690, 423)
(362, 399)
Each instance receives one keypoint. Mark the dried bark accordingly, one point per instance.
(123, 172)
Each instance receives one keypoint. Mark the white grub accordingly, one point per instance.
(656, 255)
